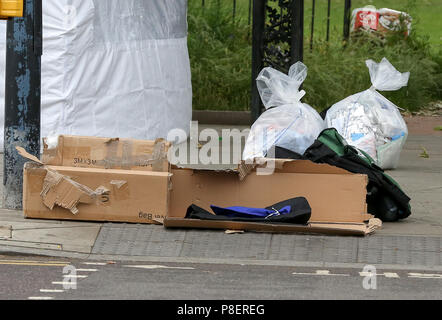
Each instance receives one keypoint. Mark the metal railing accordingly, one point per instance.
(278, 34)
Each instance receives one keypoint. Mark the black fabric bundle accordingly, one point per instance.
(300, 213)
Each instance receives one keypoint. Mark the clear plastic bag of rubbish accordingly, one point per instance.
(287, 122)
(369, 121)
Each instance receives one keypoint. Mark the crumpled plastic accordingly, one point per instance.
(287, 122)
(369, 121)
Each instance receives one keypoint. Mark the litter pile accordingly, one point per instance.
(383, 20)
(369, 121)
(297, 175)
(291, 124)
(124, 180)
(363, 133)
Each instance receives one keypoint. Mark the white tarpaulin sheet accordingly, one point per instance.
(114, 68)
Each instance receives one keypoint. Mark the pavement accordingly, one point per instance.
(412, 244)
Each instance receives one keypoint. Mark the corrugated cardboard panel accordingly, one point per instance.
(109, 153)
(348, 229)
(125, 195)
(332, 197)
(286, 165)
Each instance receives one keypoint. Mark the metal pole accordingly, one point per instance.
(312, 25)
(347, 9)
(234, 10)
(249, 20)
(328, 20)
(259, 7)
(22, 97)
(297, 45)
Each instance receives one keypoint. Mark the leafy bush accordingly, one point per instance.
(337, 71)
(220, 53)
(220, 57)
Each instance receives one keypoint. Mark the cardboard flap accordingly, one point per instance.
(367, 228)
(62, 191)
(154, 157)
(343, 229)
(27, 155)
(287, 165)
(108, 153)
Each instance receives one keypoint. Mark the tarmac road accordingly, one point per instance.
(42, 278)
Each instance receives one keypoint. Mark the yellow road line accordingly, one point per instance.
(35, 261)
(35, 264)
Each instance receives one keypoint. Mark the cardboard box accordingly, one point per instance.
(336, 196)
(106, 153)
(90, 194)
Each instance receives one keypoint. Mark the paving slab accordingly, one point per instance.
(16, 231)
(5, 231)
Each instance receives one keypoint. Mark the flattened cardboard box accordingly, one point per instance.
(336, 196)
(106, 153)
(68, 193)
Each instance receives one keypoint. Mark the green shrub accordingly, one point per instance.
(337, 71)
(220, 57)
(220, 54)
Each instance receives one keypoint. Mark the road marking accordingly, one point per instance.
(158, 267)
(75, 276)
(34, 261)
(40, 298)
(34, 264)
(321, 273)
(87, 270)
(385, 274)
(391, 275)
(63, 283)
(51, 290)
(95, 263)
(425, 275)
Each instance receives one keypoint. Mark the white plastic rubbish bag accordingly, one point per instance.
(369, 121)
(290, 124)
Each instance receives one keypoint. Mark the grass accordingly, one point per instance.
(220, 56)
(336, 72)
(220, 52)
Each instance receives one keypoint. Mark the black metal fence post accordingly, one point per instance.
(22, 97)
(297, 44)
(328, 20)
(312, 27)
(259, 7)
(277, 40)
(234, 11)
(347, 13)
(249, 19)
